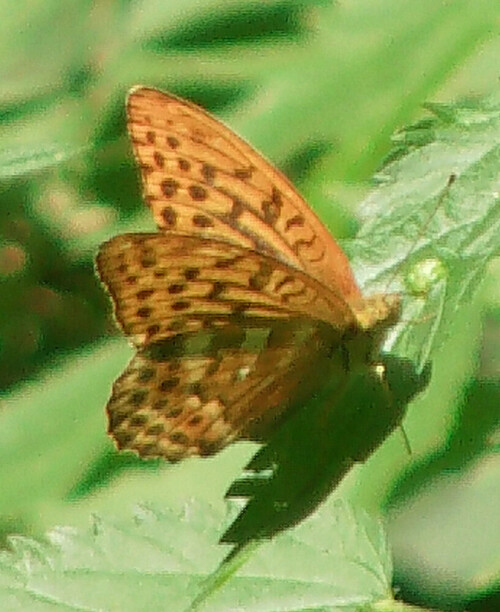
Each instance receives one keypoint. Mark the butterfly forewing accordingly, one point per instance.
(201, 179)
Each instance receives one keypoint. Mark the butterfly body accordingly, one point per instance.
(239, 306)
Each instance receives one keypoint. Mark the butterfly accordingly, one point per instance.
(238, 300)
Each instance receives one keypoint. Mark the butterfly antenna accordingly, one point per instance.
(451, 179)
(406, 440)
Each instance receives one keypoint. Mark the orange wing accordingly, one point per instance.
(201, 179)
(166, 285)
(182, 397)
(226, 337)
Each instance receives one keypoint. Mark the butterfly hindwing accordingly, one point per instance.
(163, 285)
(195, 395)
(224, 337)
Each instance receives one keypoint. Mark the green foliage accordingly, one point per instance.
(319, 87)
(160, 561)
(439, 203)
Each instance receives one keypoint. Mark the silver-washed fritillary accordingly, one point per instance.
(237, 298)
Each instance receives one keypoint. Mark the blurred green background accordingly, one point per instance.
(319, 87)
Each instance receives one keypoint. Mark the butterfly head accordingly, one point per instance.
(378, 312)
(374, 315)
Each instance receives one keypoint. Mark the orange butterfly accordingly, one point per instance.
(238, 299)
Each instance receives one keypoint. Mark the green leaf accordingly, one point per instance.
(161, 561)
(45, 139)
(418, 222)
(432, 241)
